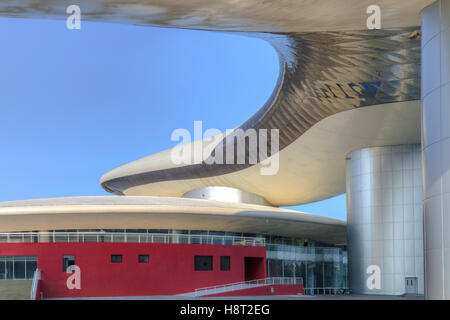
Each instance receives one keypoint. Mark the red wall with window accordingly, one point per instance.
(170, 269)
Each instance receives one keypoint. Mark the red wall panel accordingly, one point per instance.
(170, 269)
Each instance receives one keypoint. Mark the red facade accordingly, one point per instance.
(170, 269)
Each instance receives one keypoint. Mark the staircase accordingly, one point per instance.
(15, 289)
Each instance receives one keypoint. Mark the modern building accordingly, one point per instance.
(358, 110)
(167, 246)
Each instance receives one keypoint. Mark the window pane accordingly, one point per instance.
(9, 270)
(225, 263)
(19, 269)
(143, 258)
(68, 261)
(116, 258)
(203, 263)
(2, 270)
(275, 267)
(288, 268)
(31, 267)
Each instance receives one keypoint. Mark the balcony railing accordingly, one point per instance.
(326, 291)
(32, 237)
(34, 285)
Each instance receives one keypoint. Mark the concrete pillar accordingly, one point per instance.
(384, 218)
(436, 147)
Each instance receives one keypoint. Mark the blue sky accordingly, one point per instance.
(76, 103)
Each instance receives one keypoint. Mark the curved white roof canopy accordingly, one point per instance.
(312, 168)
(248, 15)
(114, 212)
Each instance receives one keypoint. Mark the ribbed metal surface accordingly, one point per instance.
(322, 73)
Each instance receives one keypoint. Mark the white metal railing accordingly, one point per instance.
(326, 291)
(246, 285)
(34, 285)
(25, 237)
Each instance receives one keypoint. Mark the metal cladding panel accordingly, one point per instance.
(383, 217)
(436, 147)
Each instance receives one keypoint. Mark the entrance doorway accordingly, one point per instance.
(254, 268)
(411, 285)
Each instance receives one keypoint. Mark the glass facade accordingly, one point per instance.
(17, 267)
(319, 267)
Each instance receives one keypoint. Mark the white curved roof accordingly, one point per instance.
(248, 15)
(311, 169)
(123, 212)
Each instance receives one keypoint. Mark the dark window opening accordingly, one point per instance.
(203, 263)
(67, 262)
(225, 263)
(143, 258)
(116, 258)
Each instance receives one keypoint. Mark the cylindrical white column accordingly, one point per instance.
(384, 219)
(436, 147)
(226, 194)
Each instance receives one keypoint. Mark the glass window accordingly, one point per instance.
(288, 268)
(15, 267)
(275, 267)
(225, 263)
(31, 266)
(9, 269)
(203, 263)
(329, 274)
(19, 269)
(68, 261)
(2, 269)
(143, 258)
(217, 240)
(116, 258)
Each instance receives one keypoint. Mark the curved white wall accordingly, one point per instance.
(384, 217)
(436, 147)
(220, 193)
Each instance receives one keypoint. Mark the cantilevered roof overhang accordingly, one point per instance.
(224, 15)
(112, 212)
